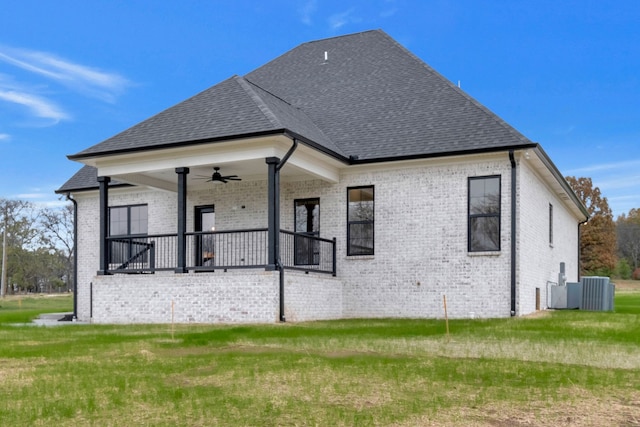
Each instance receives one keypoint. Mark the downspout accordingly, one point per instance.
(513, 232)
(579, 251)
(279, 265)
(75, 255)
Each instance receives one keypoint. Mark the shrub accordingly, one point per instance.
(623, 270)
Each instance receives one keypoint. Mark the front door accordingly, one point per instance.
(205, 222)
(307, 221)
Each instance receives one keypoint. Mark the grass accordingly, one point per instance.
(554, 368)
(23, 309)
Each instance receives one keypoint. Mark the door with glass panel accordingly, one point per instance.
(307, 222)
(205, 221)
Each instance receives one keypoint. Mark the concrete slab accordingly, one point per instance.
(54, 319)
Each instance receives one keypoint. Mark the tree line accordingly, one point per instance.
(36, 248)
(608, 247)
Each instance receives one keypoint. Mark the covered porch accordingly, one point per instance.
(181, 170)
(184, 249)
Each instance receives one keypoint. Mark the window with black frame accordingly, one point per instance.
(128, 227)
(307, 222)
(360, 220)
(484, 214)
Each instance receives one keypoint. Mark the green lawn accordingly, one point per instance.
(555, 368)
(23, 309)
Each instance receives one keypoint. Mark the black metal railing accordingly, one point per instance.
(305, 252)
(213, 250)
(210, 250)
(142, 254)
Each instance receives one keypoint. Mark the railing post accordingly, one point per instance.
(273, 221)
(152, 257)
(182, 220)
(103, 182)
(334, 270)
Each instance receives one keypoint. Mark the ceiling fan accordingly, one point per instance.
(217, 177)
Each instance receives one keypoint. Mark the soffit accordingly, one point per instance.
(245, 158)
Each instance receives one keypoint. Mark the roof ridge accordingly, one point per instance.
(269, 92)
(264, 108)
(344, 35)
(293, 107)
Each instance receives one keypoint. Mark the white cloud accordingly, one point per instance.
(388, 13)
(4, 136)
(43, 199)
(339, 20)
(307, 9)
(39, 106)
(605, 167)
(87, 80)
(624, 198)
(618, 182)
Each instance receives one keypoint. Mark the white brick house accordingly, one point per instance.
(368, 186)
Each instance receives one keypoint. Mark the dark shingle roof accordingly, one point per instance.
(224, 110)
(375, 99)
(372, 99)
(85, 179)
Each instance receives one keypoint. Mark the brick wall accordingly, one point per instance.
(312, 297)
(420, 247)
(421, 244)
(234, 297)
(538, 260)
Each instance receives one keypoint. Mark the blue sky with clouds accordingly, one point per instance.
(73, 73)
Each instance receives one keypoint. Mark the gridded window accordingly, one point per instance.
(125, 222)
(128, 220)
(360, 220)
(484, 214)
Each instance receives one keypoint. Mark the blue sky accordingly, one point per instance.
(72, 73)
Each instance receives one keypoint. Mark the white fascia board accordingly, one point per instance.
(315, 164)
(190, 156)
(543, 165)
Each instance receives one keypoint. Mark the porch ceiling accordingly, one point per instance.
(245, 158)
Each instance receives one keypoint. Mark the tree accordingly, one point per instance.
(57, 234)
(18, 219)
(628, 230)
(598, 245)
(38, 251)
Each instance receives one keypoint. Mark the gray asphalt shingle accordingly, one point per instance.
(374, 99)
(371, 98)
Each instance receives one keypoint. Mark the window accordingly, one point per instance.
(360, 217)
(550, 224)
(484, 214)
(127, 221)
(307, 221)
